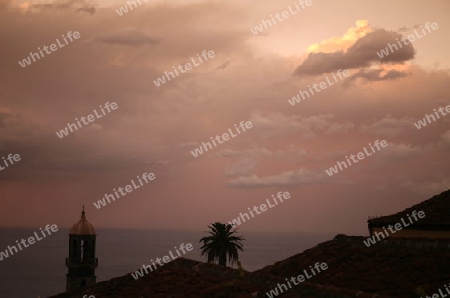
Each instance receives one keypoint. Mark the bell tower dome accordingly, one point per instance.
(81, 261)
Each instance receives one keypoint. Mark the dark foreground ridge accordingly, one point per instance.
(437, 214)
(394, 267)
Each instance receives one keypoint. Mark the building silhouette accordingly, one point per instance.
(81, 261)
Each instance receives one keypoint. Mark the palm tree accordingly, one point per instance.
(222, 242)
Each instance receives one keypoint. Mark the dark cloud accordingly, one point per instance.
(14, 127)
(288, 178)
(223, 66)
(91, 9)
(404, 28)
(4, 4)
(128, 37)
(362, 54)
(374, 75)
(72, 5)
(4, 114)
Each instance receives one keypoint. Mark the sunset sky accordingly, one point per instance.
(250, 78)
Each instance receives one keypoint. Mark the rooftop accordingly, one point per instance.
(83, 226)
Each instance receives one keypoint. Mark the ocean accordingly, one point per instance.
(39, 270)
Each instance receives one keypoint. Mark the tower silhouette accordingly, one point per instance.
(81, 261)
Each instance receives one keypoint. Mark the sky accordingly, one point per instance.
(250, 78)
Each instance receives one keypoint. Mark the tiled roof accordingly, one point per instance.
(437, 214)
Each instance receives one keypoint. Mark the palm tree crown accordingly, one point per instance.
(221, 243)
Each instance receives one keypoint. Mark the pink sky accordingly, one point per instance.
(250, 78)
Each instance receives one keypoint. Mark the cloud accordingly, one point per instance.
(407, 184)
(189, 145)
(336, 127)
(388, 126)
(248, 152)
(71, 5)
(246, 166)
(247, 163)
(445, 143)
(224, 65)
(44, 153)
(381, 188)
(275, 124)
(375, 75)
(15, 127)
(431, 188)
(404, 28)
(291, 153)
(5, 4)
(4, 115)
(344, 42)
(285, 154)
(363, 53)
(95, 127)
(126, 37)
(301, 153)
(400, 152)
(335, 154)
(443, 101)
(289, 178)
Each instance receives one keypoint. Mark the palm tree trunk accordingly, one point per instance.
(223, 260)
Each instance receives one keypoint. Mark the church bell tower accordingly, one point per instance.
(81, 261)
